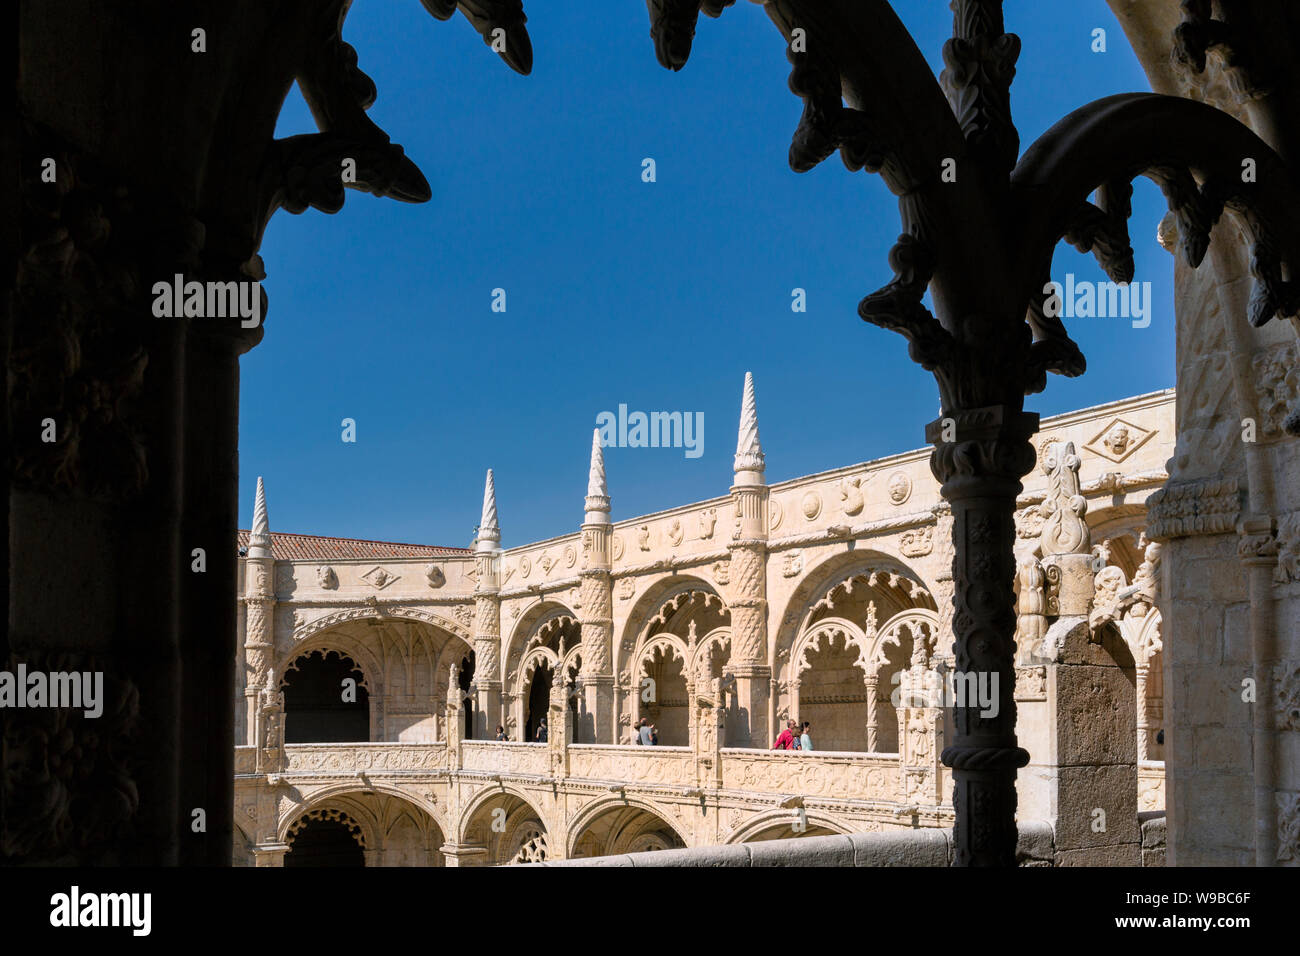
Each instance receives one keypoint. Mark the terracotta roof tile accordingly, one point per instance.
(294, 547)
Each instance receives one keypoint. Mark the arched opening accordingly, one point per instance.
(539, 699)
(625, 829)
(677, 625)
(864, 621)
(833, 694)
(325, 838)
(325, 700)
(510, 829)
(664, 699)
(466, 696)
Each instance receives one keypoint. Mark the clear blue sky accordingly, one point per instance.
(659, 296)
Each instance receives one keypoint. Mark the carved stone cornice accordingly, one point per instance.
(1184, 509)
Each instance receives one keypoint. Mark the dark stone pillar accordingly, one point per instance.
(979, 457)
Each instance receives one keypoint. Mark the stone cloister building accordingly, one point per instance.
(813, 599)
(168, 163)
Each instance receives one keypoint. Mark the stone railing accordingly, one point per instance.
(834, 774)
(663, 766)
(490, 756)
(245, 760)
(923, 847)
(379, 757)
(826, 774)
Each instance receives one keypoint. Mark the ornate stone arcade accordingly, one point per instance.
(843, 629)
(104, 520)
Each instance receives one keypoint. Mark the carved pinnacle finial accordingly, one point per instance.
(489, 532)
(1065, 531)
(749, 450)
(259, 540)
(597, 504)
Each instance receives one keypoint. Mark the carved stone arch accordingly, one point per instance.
(364, 661)
(351, 813)
(703, 651)
(913, 621)
(671, 643)
(597, 808)
(638, 624)
(367, 612)
(812, 638)
(1123, 526)
(572, 660)
(452, 652)
(534, 617)
(831, 573)
(486, 796)
(768, 819)
(529, 665)
(347, 789)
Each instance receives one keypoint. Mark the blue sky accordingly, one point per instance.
(655, 295)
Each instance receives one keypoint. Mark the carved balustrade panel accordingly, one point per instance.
(363, 758)
(505, 757)
(672, 766)
(846, 776)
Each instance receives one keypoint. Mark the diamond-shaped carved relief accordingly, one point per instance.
(379, 578)
(1118, 440)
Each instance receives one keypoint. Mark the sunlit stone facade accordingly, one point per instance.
(374, 675)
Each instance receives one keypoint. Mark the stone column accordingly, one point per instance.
(748, 600)
(708, 731)
(259, 611)
(979, 457)
(464, 854)
(487, 619)
(1091, 765)
(872, 681)
(270, 854)
(454, 726)
(1258, 548)
(560, 730)
(1143, 718)
(596, 605)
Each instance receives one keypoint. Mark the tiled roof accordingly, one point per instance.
(293, 547)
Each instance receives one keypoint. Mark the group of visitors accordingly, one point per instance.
(647, 734)
(794, 737)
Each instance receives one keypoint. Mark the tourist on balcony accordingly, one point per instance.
(787, 740)
(501, 733)
(805, 739)
(644, 735)
(654, 735)
(542, 735)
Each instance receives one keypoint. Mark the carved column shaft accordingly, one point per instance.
(259, 636)
(1258, 548)
(596, 617)
(487, 648)
(748, 606)
(873, 722)
(980, 475)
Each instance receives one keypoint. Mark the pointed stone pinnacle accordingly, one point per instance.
(259, 539)
(489, 532)
(749, 450)
(597, 504)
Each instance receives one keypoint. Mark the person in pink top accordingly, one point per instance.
(786, 740)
